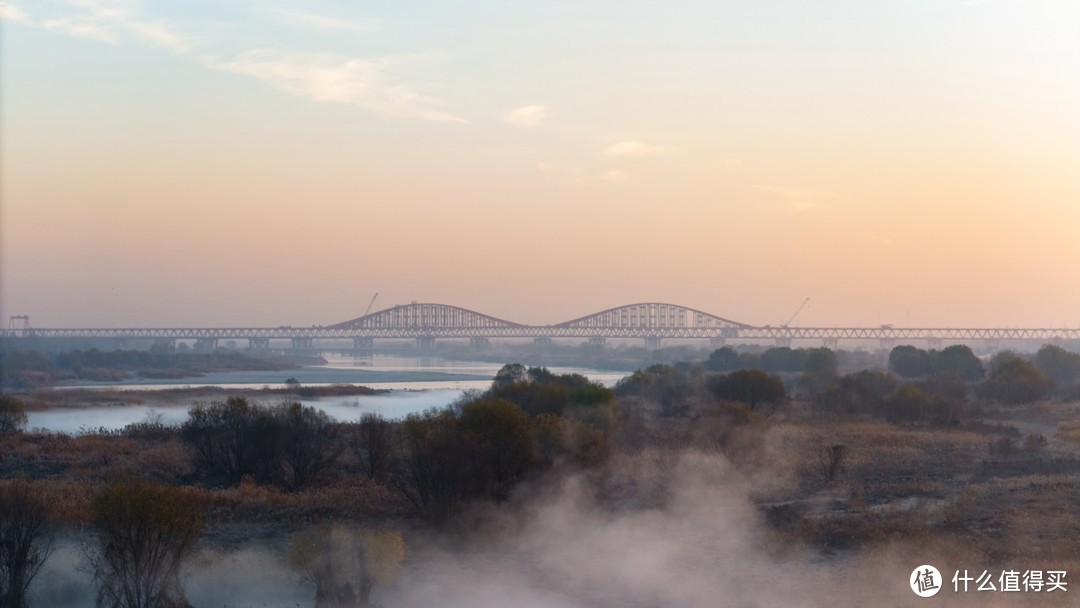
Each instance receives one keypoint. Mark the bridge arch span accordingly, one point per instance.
(425, 316)
(653, 315)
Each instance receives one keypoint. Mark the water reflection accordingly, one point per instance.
(397, 404)
(416, 384)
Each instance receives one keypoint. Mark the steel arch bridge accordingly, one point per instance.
(652, 321)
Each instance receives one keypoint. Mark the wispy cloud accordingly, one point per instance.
(800, 199)
(114, 17)
(526, 116)
(105, 22)
(81, 29)
(332, 78)
(637, 148)
(323, 77)
(298, 17)
(9, 12)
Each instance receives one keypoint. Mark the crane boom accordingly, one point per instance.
(370, 304)
(796, 313)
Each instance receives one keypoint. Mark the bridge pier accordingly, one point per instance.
(831, 343)
(652, 342)
(782, 342)
(933, 343)
(716, 343)
(425, 344)
(259, 343)
(479, 343)
(303, 344)
(363, 346)
(597, 341)
(542, 342)
(887, 344)
(164, 345)
(205, 345)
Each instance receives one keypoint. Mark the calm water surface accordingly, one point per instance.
(416, 384)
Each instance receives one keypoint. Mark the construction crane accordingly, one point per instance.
(370, 304)
(796, 313)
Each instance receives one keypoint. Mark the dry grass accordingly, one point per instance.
(1069, 431)
(936, 487)
(93, 457)
(351, 499)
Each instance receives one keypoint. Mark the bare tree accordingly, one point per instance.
(144, 533)
(373, 444)
(309, 443)
(832, 460)
(26, 540)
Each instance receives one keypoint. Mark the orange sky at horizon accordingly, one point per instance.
(892, 168)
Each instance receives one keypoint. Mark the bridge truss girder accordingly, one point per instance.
(898, 335)
(651, 321)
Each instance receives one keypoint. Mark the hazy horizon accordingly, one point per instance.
(277, 163)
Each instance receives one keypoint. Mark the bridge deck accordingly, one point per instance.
(650, 320)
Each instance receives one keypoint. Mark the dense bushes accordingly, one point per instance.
(452, 458)
(911, 362)
(750, 386)
(815, 361)
(671, 388)
(859, 393)
(529, 421)
(1013, 380)
(881, 395)
(289, 444)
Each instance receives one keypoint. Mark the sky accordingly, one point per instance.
(272, 162)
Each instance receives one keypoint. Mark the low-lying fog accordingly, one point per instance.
(685, 535)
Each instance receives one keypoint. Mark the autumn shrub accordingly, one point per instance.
(12, 414)
(344, 564)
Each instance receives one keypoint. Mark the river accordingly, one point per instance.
(415, 384)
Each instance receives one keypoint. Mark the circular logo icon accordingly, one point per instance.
(925, 581)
